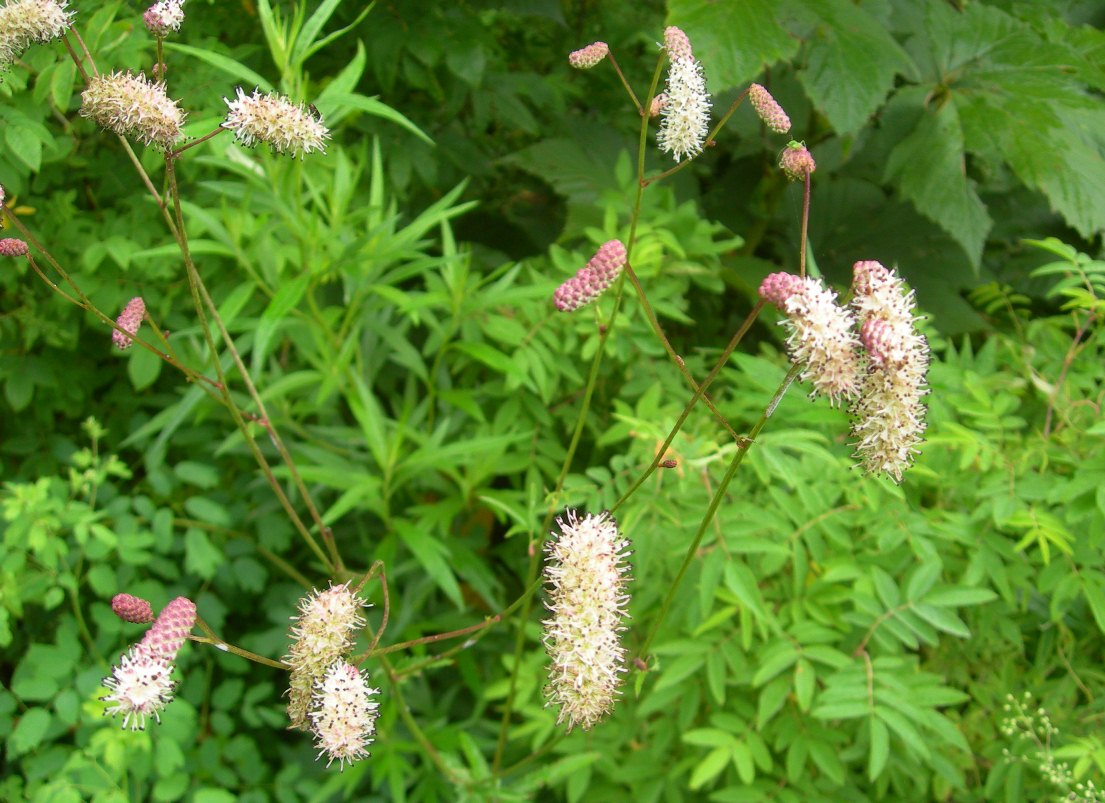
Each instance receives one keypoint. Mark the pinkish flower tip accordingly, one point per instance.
(130, 319)
(10, 247)
(778, 287)
(796, 161)
(587, 57)
(677, 44)
(133, 609)
(172, 627)
(768, 109)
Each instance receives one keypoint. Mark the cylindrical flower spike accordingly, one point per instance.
(343, 715)
(686, 112)
(888, 417)
(273, 119)
(129, 319)
(769, 111)
(133, 609)
(164, 17)
(591, 281)
(11, 247)
(324, 631)
(822, 336)
(141, 685)
(25, 22)
(133, 105)
(796, 161)
(587, 57)
(586, 573)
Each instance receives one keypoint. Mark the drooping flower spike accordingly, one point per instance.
(587, 57)
(130, 319)
(592, 280)
(822, 334)
(133, 105)
(274, 120)
(769, 111)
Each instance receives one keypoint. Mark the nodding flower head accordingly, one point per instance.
(133, 105)
(796, 161)
(132, 609)
(888, 417)
(586, 572)
(11, 247)
(164, 17)
(769, 111)
(25, 22)
(591, 281)
(587, 57)
(130, 319)
(273, 119)
(822, 336)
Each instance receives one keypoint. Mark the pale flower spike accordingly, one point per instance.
(586, 574)
(276, 121)
(25, 22)
(141, 685)
(592, 280)
(888, 417)
(587, 57)
(343, 715)
(164, 17)
(133, 105)
(768, 109)
(822, 337)
(686, 110)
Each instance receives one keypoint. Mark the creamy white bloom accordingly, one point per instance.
(586, 573)
(275, 120)
(343, 716)
(24, 22)
(685, 116)
(141, 686)
(889, 418)
(133, 105)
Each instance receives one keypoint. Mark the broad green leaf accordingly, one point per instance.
(708, 737)
(929, 166)
(201, 557)
(28, 732)
(879, 749)
(710, 767)
(945, 597)
(143, 368)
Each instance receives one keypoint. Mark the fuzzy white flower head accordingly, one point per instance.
(586, 573)
(141, 686)
(133, 105)
(685, 115)
(326, 628)
(822, 334)
(164, 17)
(24, 22)
(273, 119)
(889, 418)
(343, 716)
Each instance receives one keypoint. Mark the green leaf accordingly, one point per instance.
(708, 737)
(29, 731)
(734, 41)
(929, 167)
(710, 767)
(201, 557)
(233, 68)
(433, 557)
(1093, 589)
(851, 63)
(24, 145)
(377, 109)
(143, 368)
(950, 597)
(942, 619)
(805, 683)
(879, 748)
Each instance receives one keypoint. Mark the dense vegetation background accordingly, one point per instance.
(839, 637)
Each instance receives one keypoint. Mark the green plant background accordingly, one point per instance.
(838, 638)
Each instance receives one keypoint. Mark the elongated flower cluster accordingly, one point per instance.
(132, 609)
(343, 715)
(276, 121)
(685, 115)
(888, 417)
(130, 319)
(587, 57)
(133, 105)
(822, 334)
(796, 161)
(11, 247)
(141, 685)
(325, 630)
(591, 281)
(586, 574)
(164, 17)
(768, 109)
(25, 22)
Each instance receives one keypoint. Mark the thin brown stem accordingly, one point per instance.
(625, 83)
(220, 644)
(196, 142)
(805, 227)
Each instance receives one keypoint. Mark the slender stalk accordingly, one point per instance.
(805, 227)
(196, 142)
(219, 644)
(715, 502)
(625, 83)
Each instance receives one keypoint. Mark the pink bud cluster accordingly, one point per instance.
(11, 247)
(768, 109)
(677, 44)
(881, 371)
(587, 57)
(141, 685)
(132, 609)
(586, 571)
(591, 281)
(796, 161)
(130, 320)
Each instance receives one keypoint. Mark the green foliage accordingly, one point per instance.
(836, 638)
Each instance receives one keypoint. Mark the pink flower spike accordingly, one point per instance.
(129, 319)
(10, 247)
(769, 111)
(133, 609)
(677, 44)
(172, 627)
(796, 161)
(592, 280)
(778, 287)
(587, 57)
